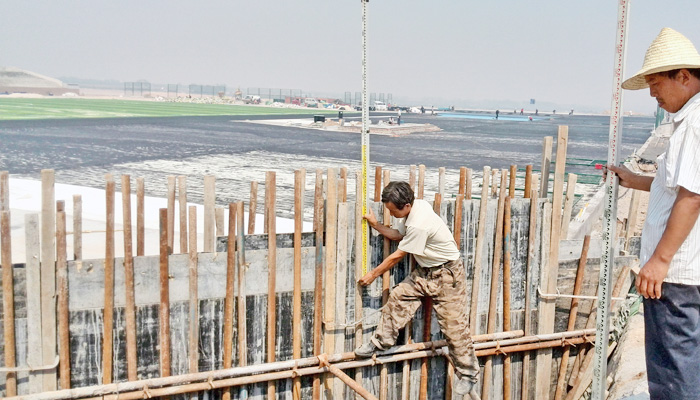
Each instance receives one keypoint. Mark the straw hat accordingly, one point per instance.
(670, 50)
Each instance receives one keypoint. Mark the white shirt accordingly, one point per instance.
(426, 236)
(678, 166)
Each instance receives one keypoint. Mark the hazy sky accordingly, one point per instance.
(456, 52)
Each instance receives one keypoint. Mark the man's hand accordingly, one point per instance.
(371, 219)
(650, 278)
(367, 279)
(625, 176)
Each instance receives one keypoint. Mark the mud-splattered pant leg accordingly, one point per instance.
(400, 308)
(450, 305)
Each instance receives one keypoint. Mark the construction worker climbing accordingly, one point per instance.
(439, 275)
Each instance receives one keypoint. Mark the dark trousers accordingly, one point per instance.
(672, 342)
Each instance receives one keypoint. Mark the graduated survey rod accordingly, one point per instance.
(607, 259)
(365, 139)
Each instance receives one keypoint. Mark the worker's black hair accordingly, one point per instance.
(399, 193)
(672, 73)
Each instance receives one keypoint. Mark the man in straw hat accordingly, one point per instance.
(670, 255)
(439, 275)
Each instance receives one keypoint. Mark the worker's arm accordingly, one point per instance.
(684, 214)
(384, 230)
(631, 180)
(386, 265)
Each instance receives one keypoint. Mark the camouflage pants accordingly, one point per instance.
(447, 287)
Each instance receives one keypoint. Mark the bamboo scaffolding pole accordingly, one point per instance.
(546, 165)
(573, 312)
(568, 205)
(358, 265)
(130, 308)
(468, 191)
(462, 180)
(323, 361)
(48, 275)
(271, 229)
(209, 213)
(252, 207)
(194, 296)
(108, 313)
(506, 286)
(318, 269)
(182, 204)
(511, 187)
(528, 181)
(484, 345)
(421, 181)
(140, 217)
(242, 312)
(8, 304)
(228, 300)
(172, 181)
(532, 232)
(33, 277)
(77, 227)
(164, 308)
(299, 184)
(495, 280)
(479, 250)
(62, 293)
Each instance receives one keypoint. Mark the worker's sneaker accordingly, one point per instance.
(366, 350)
(465, 384)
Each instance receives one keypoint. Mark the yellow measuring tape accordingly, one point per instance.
(365, 225)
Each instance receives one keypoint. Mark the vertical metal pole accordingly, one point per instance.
(610, 211)
(365, 138)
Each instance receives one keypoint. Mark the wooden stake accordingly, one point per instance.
(182, 203)
(546, 165)
(4, 191)
(412, 177)
(457, 229)
(343, 185)
(511, 188)
(228, 300)
(462, 180)
(270, 223)
(441, 181)
(506, 289)
(193, 262)
(468, 191)
(330, 276)
(209, 213)
(140, 217)
(108, 314)
(219, 217)
(48, 276)
(318, 285)
(299, 184)
(62, 288)
(8, 304)
(494, 183)
(421, 181)
(568, 205)
(528, 181)
(130, 308)
(573, 312)
(77, 227)
(171, 212)
(632, 217)
(479, 251)
(164, 309)
(378, 184)
(33, 277)
(495, 279)
(252, 210)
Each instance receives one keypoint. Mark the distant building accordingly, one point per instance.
(15, 80)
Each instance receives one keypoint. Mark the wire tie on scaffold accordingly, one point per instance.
(146, 392)
(498, 348)
(210, 381)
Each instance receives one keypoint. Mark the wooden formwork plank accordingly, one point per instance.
(330, 267)
(8, 304)
(182, 215)
(77, 227)
(507, 285)
(568, 205)
(441, 181)
(299, 184)
(341, 289)
(358, 265)
(271, 225)
(33, 277)
(219, 217)
(318, 276)
(164, 307)
(468, 184)
(228, 299)
(421, 181)
(478, 256)
(108, 313)
(130, 308)
(62, 296)
(4, 191)
(252, 207)
(48, 275)
(140, 217)
(412, 177)
(209, 217)
(545, 165)
(242, 315)
(172, 186)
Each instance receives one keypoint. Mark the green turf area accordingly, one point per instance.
(17, 109)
